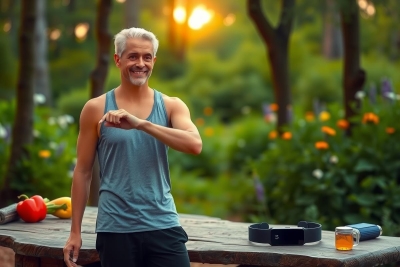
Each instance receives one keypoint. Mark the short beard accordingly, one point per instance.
(141, 81)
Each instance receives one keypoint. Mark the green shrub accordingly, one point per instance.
(248, 141)
(48, 169)
(355, 179)
(224, 196)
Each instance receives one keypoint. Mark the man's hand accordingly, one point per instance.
(120, 119)
(71, 250)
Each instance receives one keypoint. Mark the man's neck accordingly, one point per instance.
(130, 91)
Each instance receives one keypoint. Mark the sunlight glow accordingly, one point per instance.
(180, 14)
(120, 1)
(199, 17)
(81, 30)
(166, 10)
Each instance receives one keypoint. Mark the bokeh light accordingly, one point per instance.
(7, 26)
(229, 20)
(55, 34)
(81, 30)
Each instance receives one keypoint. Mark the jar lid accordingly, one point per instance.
(344, 230)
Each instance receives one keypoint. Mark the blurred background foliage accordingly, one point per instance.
(320, 173)
(245, 172)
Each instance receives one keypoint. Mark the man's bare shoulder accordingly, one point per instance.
(172, 100)
(94, 107)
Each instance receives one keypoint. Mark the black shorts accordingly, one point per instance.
(161, 248)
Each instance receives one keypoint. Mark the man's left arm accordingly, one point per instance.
(183, 136)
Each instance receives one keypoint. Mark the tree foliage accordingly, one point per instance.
(22, 131)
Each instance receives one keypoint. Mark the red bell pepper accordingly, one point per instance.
(32, 209)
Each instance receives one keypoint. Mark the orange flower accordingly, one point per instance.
(287, 136)
(321, 145)
(208, 111)
(310, 116)
(370, 117)
(273, 135)
(44, 154)
(199, 121)
(390, 130)
(274, 107)
(328, 130)
(343, 124)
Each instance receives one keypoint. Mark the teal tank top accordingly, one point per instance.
(135, 187)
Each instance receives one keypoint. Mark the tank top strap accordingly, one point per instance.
(110, 101)
(160, 109)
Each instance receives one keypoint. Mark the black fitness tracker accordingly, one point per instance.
(305, 232)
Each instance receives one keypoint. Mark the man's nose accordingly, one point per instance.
(140, 62)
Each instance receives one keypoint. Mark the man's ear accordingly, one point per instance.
(116, 60)
(154, 60)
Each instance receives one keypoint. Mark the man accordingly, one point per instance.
(131, 128)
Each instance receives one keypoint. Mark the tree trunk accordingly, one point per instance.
(277, 41)
(132, 11)
(42, 80)
(23, 123)
(185, 32)
(104, 38)
(172, 28)
(98, 77)
(353, 75)
(332, 39)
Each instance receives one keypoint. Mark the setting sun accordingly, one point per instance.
(199, 17)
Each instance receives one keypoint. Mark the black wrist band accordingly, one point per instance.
(305, 232)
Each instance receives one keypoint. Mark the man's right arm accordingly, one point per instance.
(86, 152)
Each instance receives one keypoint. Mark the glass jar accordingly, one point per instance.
(346, 238)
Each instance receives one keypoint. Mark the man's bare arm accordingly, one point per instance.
(86, 149)
(86, 152)
(183, 136)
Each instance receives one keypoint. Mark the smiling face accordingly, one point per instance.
(136, 61)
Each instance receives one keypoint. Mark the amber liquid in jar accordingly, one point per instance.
(344, 241)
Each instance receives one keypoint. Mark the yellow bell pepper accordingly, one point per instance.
(60, 207)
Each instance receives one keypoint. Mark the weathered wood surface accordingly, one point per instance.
(211, 240)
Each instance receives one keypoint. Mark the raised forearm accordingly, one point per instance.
(182, 140)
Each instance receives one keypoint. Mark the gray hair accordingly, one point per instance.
(121, 37)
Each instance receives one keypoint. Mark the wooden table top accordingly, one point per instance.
(211, 240)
